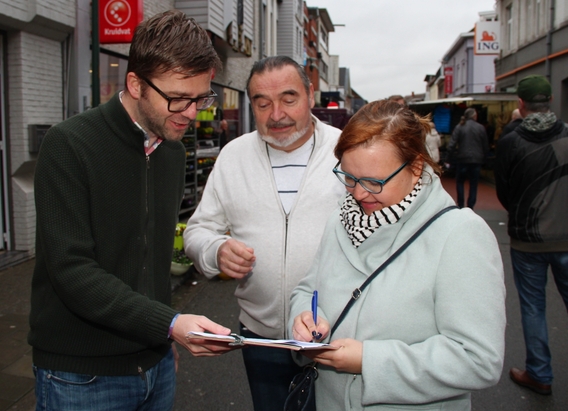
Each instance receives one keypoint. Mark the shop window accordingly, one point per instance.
(112, 75)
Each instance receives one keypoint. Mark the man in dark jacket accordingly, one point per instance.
(516, 120)
(108, 187)
(468, 147)
(531, 174)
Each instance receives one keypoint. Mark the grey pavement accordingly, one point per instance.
(220, 383)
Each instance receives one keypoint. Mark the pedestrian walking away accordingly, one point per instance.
(108, 187)
(530, 177)
(468, 148)
(273, 189)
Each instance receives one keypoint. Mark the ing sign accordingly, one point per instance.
(487, 37)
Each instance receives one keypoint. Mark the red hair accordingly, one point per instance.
(389, 121)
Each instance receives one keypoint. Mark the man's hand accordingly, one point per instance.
(235, 259)
(199, 347)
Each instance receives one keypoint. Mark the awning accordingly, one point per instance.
(478, 97)
(441, 101)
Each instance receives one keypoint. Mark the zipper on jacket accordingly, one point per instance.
(142, 373)
(286, 236)
(144, 268)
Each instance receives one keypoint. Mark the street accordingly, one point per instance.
(220, 383)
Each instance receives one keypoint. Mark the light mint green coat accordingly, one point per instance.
(432, 324)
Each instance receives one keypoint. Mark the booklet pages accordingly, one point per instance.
(237, 340)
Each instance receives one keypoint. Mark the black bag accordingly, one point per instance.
(302, 392)
(302, 396)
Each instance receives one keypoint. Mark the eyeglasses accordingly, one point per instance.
(179, 104)
(372, 185)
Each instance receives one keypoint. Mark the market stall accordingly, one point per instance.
(493, 111)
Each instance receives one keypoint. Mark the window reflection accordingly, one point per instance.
(112, 74)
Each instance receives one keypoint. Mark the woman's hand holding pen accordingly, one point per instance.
(304, 327)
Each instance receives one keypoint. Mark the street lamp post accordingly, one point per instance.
(95, 52)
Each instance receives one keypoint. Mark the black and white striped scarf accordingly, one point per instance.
(360, 226)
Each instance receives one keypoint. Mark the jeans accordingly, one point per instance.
(470, 172)
(66, 391)
(269, 372)
(530, 271)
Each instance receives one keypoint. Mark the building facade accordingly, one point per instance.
(36, 38)
(290, 35)
(470, 72)
(534, 41)
(46, 76)
(45, 71)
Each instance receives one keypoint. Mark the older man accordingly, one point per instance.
(531, 175)
(273, 189)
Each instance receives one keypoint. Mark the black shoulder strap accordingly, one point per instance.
(357, 292)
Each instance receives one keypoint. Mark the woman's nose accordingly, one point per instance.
(359, 192)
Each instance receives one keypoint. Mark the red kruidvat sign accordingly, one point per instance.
(118, 19)
(448, 80)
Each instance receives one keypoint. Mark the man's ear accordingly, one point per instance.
(134, 85)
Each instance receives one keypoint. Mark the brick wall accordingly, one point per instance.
(35, 97)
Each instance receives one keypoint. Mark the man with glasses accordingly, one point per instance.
(273, 189)
(108, 187)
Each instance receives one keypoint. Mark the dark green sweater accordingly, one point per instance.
(106, 217)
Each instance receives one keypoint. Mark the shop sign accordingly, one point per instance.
(118, 19)
(448, 80)
(487, 37)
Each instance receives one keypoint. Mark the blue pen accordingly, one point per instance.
(315, 334)
(315, 307)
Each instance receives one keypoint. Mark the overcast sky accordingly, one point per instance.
(390, 45)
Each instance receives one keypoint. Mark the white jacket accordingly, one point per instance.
(241, 197)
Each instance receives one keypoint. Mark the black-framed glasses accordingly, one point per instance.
(372, 185)
(179, 104)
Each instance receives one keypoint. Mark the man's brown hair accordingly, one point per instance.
(171, 41)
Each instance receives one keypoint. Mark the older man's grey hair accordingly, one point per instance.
(278, 62)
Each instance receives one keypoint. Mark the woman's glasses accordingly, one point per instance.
(372, 185)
